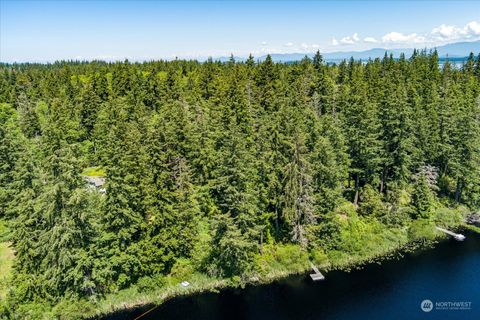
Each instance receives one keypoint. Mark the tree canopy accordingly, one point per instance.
(253, 152)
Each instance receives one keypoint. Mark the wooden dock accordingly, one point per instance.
(317, 275)
(457, 236)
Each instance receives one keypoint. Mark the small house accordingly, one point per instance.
(96, 182)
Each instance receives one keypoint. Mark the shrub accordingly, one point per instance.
(319, 257)
(292, 257)
(232, 252)
(327, 233)
(346, 208)
(448, 217)
(182, 269)
(32, 311)
(338, 258)
(397, 216)
(72, 309)
(421, 229)
(148, 284)
(423, 199)
(371, 202)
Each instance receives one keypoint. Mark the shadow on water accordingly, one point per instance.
(391, 290)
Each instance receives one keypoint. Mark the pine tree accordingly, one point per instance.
(89, 104)
(465, 142)
(233, 184)
(118, 263)
(476, 70)
(318, 60)
(266, 76)
(27, 224)
(423, 198)
(29, 122)
(56, 213)
(256, 152)
(232, 253)
(362, 129)
(10, 145)
(298, 198)
(397, 132)
(171, 200)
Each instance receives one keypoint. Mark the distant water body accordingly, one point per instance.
(454, 62)
(447, 275)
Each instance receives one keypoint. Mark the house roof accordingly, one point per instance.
(96, 181)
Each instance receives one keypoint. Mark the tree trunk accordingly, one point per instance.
(382, 181)
(458, 190)
(357, 186)
(277, 218)
(261, 242)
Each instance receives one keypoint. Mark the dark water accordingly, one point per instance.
(450, 272)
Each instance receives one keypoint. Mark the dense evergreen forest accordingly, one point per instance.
(226, 170)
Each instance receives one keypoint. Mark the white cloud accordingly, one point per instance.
(347, 40)
(445, 32)
(350, 39)
(305, 47)
(473, 28)
(440, 35)
(437, 36)
(370, 40)
(397, 37)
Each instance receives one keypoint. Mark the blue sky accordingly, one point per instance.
(51, 30)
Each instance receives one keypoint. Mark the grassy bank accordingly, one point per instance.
(361, 240)
(472, 228)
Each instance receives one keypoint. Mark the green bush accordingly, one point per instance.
(72, 309)
(281, 258)
(421, 229)
(346, 208)
(236, 281)
(327, 233)
(319, 257)
(182, 269)
(423, 199)
(32, 311)
(149, 284)
(337, 257)
(292, 257)
(232, 251)
(448, 217)
(371, 202)
(397, 216)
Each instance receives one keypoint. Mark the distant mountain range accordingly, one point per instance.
(452, 50)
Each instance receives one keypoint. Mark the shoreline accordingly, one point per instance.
(150, 301)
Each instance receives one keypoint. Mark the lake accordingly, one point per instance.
(448, 275)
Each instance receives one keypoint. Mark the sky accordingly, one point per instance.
(45, 31)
